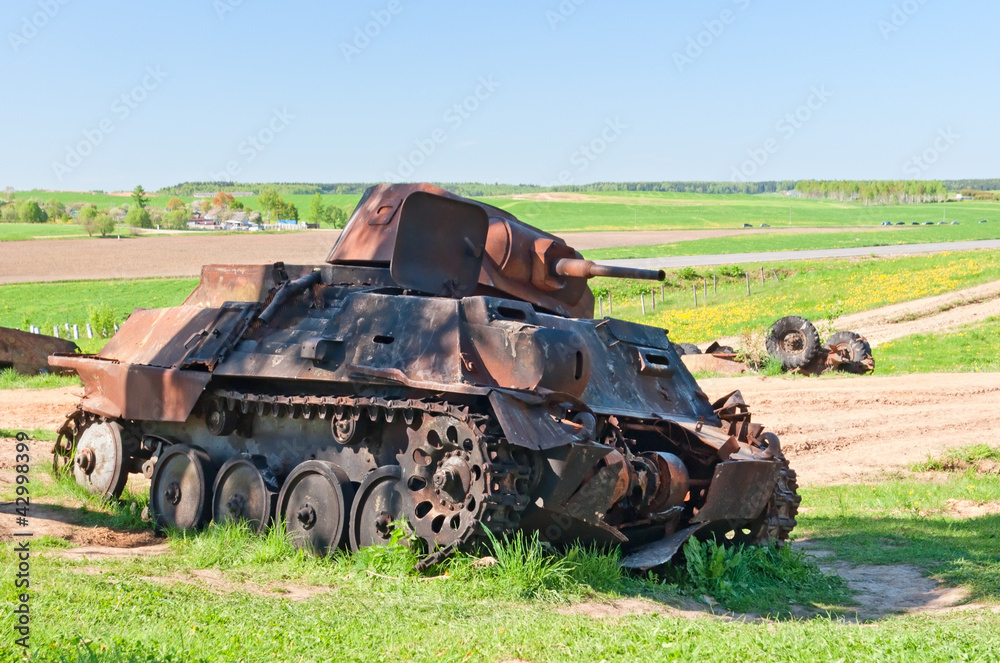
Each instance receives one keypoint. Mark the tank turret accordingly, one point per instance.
(424, 231)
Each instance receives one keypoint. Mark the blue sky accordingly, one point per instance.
(103, 95)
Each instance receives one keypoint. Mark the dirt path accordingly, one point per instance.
(184, 255)
(940, 313)
(845, 429)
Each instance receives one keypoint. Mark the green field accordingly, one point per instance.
(57, 303)
(16, 231)
(689, 211)
(817, 290)
(223, 595)
(754, 241)
(972, 349)
(651, 211)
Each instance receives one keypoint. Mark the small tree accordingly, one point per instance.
(338, 217)
(138, 217)
(105, 224)
(30, 212)
(318, 212)
(139, 197)
(176, 219)
(175, 204)
(8, 214)
(222, 200)
(89, 224)
(55, 209)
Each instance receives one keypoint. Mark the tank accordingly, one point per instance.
(442, 369)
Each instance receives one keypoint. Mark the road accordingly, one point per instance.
(676, 262)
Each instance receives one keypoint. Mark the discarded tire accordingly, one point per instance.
(793, 341)
(853, 351)
(687, 349)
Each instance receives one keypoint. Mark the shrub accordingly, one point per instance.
(102, 319)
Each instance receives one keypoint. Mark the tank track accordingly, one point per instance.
(781, 509)
(507, 474)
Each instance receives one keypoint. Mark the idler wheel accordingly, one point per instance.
(178, 491)
(314, 503)
(378, 504)
(245, 489)
(99, 462)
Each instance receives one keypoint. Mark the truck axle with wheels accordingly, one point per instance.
(444, 369)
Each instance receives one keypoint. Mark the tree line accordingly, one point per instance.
(875, 192)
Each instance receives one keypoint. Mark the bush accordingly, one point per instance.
(688, 274)
(731, 271)
(105, 224)
(137, 217)
(102, 319)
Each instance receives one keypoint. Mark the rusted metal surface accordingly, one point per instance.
(466, 390)
(28, 353)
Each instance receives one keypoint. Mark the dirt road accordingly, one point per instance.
(843, 429)
(184, 255)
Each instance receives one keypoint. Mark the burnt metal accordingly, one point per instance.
(28, 353)
(443, 369)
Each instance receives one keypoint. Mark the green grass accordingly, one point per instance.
(36, 433)
(684, 211)
(961, 458)
(374, 607)
(975, 348)
(10, 379)
(907, 521)
(753, 242)
(56, 303)
(16, 231)
(816, 290)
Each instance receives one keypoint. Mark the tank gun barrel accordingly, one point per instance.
(588, 269)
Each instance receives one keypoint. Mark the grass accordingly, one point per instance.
(11, 379)
(908, 521)
(18, 231)
(961, 458)
(975, 348)
(56, 303)
(374, 607)
(685, 211)
(36, 433)
(754, 242)
(817, 290)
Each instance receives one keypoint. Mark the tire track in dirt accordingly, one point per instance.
(851, 428)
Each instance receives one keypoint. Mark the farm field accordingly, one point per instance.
(620, 211)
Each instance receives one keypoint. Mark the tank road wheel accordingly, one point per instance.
(377, 505)
(444, 470)
(245, 489)
(314, 503)
(178, 491)
(793, 341)
(99, 461)
(854, 350)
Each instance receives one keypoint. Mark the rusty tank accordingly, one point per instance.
(443, 368)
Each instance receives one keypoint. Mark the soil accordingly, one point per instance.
(852, 428)
(184, 255)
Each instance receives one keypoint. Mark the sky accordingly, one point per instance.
(107, 95)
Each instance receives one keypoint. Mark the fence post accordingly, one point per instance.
(694, 289)
(704, 285)
(652, 297)
(661, 293)
(76, 332)
(90, 332)
(611, 308)
(762, 274)
(747, 274)
(642, 302)
(715, 286)
(55, 331)
(776, 277)
(600, 304)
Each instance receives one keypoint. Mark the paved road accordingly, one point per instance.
(816, 254)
